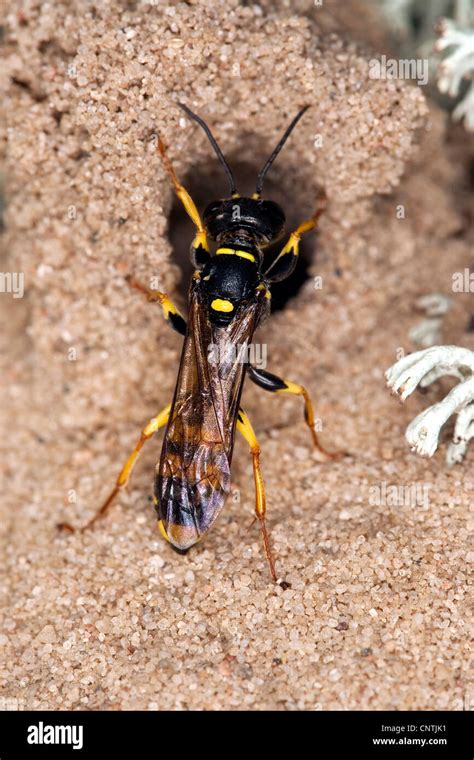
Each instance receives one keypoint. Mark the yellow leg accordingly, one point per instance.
(299, 390)
(275, 384)
(285, 262)
(200, 241)
(295, 237)
(244, 427)
(170, 311)
(125, 473)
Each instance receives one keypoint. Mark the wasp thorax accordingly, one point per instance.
(227, 281)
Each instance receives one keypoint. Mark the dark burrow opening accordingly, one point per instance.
(207, 182)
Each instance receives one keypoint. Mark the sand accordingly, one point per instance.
(376, 616)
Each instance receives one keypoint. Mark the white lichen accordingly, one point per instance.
(457, 67)
(413, 24)
(401, 14)
(428, 332)
(423, 368)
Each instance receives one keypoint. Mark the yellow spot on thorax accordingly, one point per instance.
(220, 304)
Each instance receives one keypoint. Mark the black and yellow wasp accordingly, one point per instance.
(229, 297)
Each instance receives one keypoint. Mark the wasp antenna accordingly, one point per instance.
(213, 141)
(288, 131)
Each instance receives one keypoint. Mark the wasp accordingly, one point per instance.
(229, 297)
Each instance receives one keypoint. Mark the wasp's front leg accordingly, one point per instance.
(200, 246)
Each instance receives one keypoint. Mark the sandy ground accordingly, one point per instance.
(376, 616)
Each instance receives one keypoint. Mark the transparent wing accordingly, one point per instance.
(193, 477)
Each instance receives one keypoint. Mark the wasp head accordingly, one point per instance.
(263, 220)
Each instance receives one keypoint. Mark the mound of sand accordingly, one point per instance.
(112, 619)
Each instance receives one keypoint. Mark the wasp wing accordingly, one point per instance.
(193, 477)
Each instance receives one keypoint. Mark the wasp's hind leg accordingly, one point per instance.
(244, 426)
(270, 382)
(200, 246)
(125, 473)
